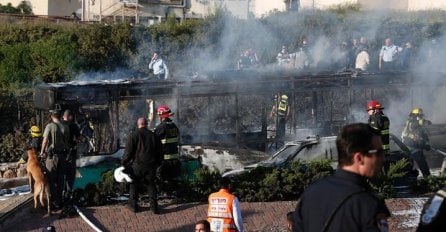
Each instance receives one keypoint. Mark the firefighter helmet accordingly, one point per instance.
(416, 112)
(374, 105)
(35, 132)
(164, 111)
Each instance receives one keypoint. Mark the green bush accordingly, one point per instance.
(385, 182)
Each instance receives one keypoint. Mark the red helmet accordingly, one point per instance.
(164, 111)
(374, 105)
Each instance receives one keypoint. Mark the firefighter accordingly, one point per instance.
(281, 112)
(224, 212)
(379, 121)
(415, 136)
(34, 142)
(168, 133)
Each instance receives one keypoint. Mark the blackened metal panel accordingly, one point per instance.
(43, 98)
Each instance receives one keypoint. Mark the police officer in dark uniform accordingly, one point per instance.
(168, 132)
(379, 121)
(70, 170)
(351, 204)
(433, 217)
(142, 157)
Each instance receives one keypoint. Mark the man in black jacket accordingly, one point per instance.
(351, 204)
(143, 155)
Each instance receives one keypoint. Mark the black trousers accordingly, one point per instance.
(70, 171)
(418, 156)
(143, 179)
(169, 173)
(56, 164)
(280, 132)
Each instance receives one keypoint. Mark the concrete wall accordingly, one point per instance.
(263, 7)
(63, 7)
(426, 5)
(203, 8)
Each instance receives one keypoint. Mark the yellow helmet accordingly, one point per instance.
(35, 132)
(284, 97)
(416, 112)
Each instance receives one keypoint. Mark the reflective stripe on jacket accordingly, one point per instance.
(220, 211)
(382, 123)
(168, 132)
(283, 106)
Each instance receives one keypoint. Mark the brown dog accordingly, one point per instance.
(35, 174)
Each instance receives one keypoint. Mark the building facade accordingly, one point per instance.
(148, 12)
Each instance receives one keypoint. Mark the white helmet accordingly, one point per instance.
(121, 176)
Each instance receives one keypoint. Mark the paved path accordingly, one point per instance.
(257, 217)
(260, 216)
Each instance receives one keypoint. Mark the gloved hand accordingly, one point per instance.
(43, 155)
(427, 147)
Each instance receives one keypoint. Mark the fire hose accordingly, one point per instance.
(86, 219)
(439, 151)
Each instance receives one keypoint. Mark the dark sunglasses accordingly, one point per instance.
(379, 152)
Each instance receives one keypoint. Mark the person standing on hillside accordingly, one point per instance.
(388, 56)
(352, 205)
(159, 67)
(54, 150)
(143, 155)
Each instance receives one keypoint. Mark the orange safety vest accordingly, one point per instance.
(220, 211)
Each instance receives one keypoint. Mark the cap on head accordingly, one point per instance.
(164, 111)
(374, 105)
(35, 132)
(55, 112)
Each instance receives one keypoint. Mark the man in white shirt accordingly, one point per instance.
(388, 55)
(159, 67)
(362, 59)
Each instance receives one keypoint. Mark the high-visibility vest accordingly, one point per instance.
(283, 106)
(220, 210)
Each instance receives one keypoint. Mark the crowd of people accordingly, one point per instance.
(347, 55)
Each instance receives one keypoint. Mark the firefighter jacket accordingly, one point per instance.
(433, 217)
(282, 106)
(224, 213)
(168, 132)
(143, 151)
(414, 134)
(382, 123)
